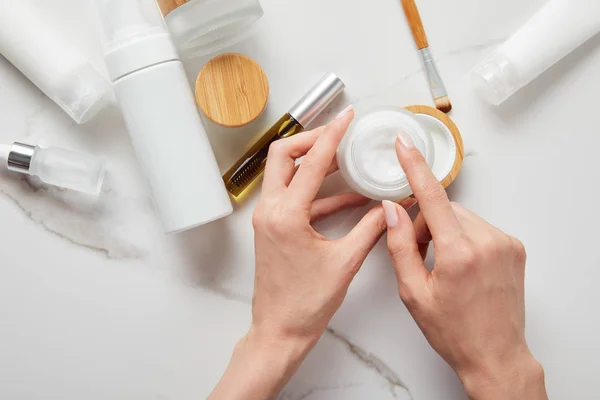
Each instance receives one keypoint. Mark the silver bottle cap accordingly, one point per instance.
(317, 99)
(20, 156)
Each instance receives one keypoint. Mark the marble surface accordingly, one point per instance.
(96, 303)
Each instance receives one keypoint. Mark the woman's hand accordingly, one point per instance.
(301, 276)
(471, 307)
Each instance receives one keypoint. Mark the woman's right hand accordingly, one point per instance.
(471, 307)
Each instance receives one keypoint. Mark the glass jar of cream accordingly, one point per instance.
(367, 155)
(201, 27)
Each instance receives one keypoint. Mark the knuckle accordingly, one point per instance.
(269, 220)
(414, 158)
(311, 163)
(398, 250)
(433, 192)
(456, 206)
(464, 257)
(409, 295)
(257, 220)
(519, 249)
(409, 298)
(490, 245)
(278, 147)
(274, 223)
(469, 257)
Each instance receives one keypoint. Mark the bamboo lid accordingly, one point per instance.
(460, 148)
(232, 90)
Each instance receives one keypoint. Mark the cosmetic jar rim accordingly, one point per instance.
(451, 131)
(412, 127)
(354, 173)
(419, 113)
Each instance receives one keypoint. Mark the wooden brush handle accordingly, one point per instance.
(416, 25)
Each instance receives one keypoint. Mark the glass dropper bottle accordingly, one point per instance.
(252, 164)
(55, 166)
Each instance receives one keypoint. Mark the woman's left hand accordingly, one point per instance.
(301, 276)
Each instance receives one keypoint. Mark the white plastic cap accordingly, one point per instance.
(134, 36)
(495, 79)
(83, 94)
(123, 21)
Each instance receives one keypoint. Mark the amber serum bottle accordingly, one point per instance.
(252, 164)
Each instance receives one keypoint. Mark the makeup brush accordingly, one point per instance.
(438, 90)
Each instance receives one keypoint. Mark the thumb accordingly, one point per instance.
(402, 243)
(365, 235)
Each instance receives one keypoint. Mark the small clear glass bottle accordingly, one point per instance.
(57, 167)
(200, 27)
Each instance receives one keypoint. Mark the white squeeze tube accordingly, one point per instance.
(551, 34)
(161, 115)
(50, 60)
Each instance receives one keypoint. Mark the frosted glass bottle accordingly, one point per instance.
(56, 166)
(67, 169)
(200, 27)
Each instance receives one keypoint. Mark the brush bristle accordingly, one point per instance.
(443, 104)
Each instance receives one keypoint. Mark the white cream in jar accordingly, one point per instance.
(367, 155)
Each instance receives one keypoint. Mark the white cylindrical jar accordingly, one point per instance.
(200, 27)
(367, 155)
(49, 59)
(552, 33)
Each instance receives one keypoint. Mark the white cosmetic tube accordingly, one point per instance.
(551, 34)
(161, 115)
(50, 60)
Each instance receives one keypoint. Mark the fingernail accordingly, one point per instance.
(345, 111)
(391, 213)
(406, 140)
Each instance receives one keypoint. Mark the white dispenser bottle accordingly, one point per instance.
(161, 115)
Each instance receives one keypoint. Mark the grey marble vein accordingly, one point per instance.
(308, 393)
(92, 223)
(29, 215)
(219, 289)
(373, 362)
(473, 47)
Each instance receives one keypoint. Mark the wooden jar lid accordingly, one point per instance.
(460, 148)
(232, 90)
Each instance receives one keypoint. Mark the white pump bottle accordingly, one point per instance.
(161, 115)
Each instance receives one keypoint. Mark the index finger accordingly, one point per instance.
(429, 192)
(314, 166)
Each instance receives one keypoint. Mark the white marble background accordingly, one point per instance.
(96, 303)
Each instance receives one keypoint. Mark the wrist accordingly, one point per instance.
(261, 365)
(284, 350)
(518, 377)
